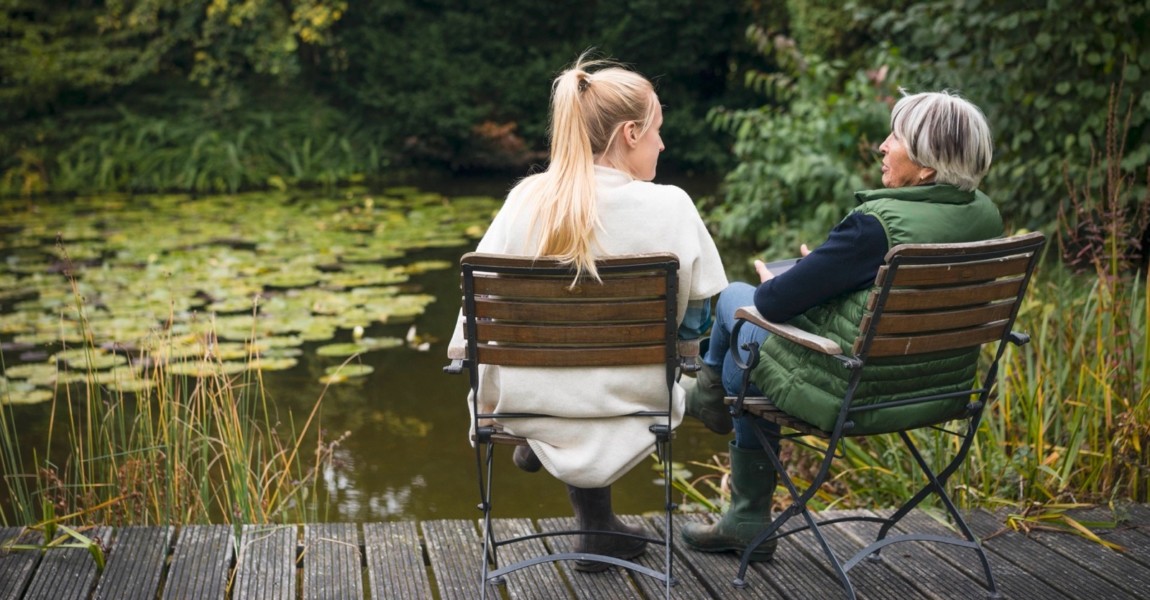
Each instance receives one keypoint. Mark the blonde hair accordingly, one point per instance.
(943, 131)
(590, 102)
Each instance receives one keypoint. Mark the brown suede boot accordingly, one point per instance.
(525, 459)
(593, 512)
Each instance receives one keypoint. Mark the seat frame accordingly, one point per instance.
(988, 265)
(517, 311)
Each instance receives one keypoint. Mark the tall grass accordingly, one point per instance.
(196, 445)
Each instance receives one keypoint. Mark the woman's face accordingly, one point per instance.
(898, 170)
(642, 156)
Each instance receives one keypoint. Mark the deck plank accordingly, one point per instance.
(200, 563)
(135, 563)
(68, 572)
(870, 580)
(1012, 580)
(265, 567)
(686, 583)
(453, 548)
(1134, 539)
(715, 572)
(914, 563)
(1041, 562)
(537, 581)
(331, 562)
(17, 567)
(395, 566)
(1039, 565)
(612, 584)
(1115, 567)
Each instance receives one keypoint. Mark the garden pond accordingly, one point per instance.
(344, 298)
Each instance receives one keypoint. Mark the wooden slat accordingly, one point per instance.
(1012, 580)
(554, 312)
(900, 300)
(265, 568)
(68, 572)
(17, 566)
(912, 562)
(331, 562)
(1027, 242)
(956, 272)
(545, 287)
(134, 565)
(640, 333)
(765, 409)
(577, 357)
(688, 585)
(937, 342)
(480, 259)
(938, 321)
(1042, 563)
(612, 584)
(200, 563)
(538, 581)
(870, 580)
(1122, 570)
(395, 566)
(454, 549)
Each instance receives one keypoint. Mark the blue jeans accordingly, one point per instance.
(718, 357)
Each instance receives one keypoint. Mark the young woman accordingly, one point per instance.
(595, 199)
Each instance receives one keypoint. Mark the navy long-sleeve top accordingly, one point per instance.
(848, 260)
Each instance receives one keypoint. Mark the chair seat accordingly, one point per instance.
(762, 407)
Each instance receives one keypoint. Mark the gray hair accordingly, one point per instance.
(946, 133)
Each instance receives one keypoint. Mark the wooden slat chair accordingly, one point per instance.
(927, 298)
(521, 311)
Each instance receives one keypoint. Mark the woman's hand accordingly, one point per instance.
(803, 250)
(764, 273)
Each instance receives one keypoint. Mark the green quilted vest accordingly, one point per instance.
(811, 386)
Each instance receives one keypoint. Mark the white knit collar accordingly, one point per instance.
(611, 178)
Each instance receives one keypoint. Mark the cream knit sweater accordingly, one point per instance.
(585, 449)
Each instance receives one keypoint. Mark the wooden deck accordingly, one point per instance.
(436, 559)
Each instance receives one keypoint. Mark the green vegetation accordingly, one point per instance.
(1064, 89)
(163, 95)
(153, 357)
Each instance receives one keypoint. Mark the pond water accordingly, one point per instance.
(175, 260)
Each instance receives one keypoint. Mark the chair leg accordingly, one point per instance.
(798, 507)
(484, 456)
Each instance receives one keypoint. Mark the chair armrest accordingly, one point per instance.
(801, 337)
(457, 354)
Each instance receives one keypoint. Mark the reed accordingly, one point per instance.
(197, 445)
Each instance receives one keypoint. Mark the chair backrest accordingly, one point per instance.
(937, 297)
(523, 311)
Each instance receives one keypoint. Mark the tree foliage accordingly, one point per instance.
(458, 83)
(1044, 74)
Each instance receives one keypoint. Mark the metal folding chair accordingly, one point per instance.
(522, 311)
(927, 298)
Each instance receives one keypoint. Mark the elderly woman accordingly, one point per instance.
(937, 152)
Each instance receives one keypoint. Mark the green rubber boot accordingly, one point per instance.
(705, 401)
(752, 485)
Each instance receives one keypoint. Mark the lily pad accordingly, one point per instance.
(350, 370)
(360, 347)
(266, 363)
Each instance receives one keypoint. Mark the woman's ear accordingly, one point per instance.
(631, 133)
(926, 175)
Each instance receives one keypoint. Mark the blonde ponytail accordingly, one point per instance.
(587, 110)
